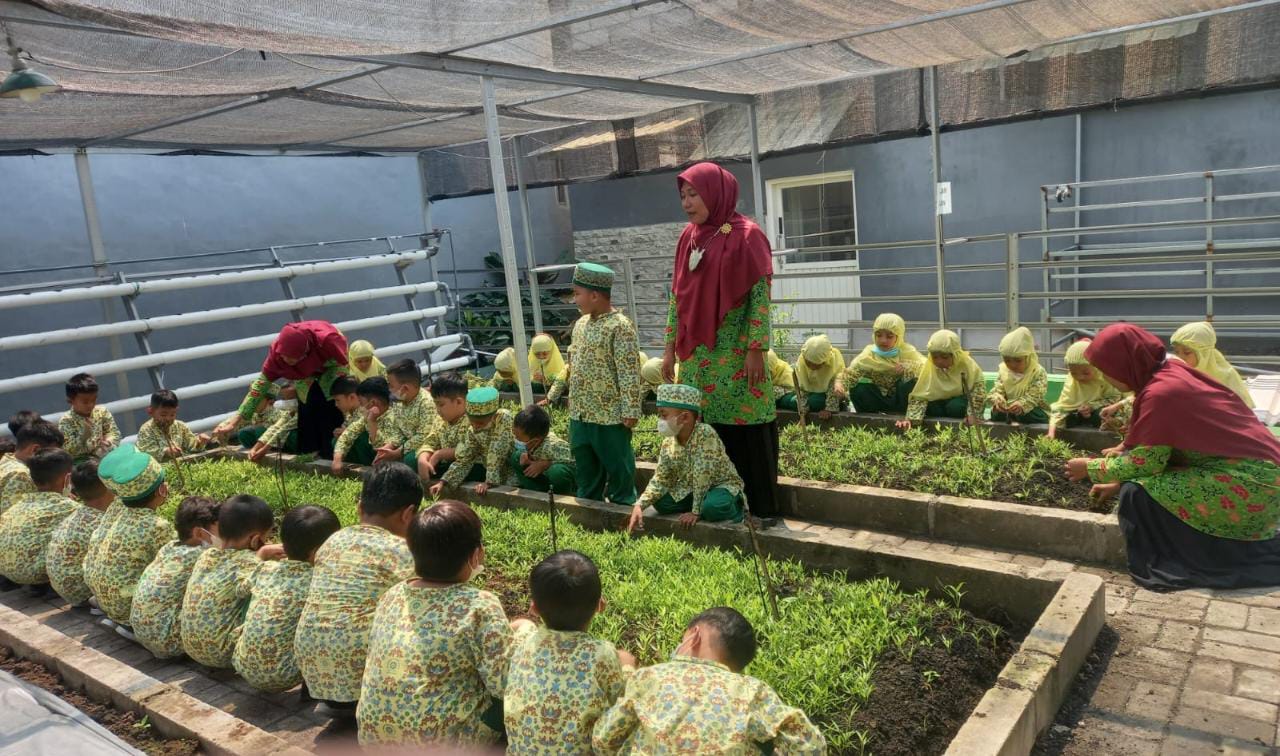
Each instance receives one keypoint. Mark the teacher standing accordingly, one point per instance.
(718, 327)
(312, 354)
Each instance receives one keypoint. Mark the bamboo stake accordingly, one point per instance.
(763, 578)
(551, 511)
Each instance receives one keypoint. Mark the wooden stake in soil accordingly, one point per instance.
(280, 480)
(802, 407)
(769, 594)
(551, 511)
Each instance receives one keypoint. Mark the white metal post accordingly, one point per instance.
(530, 255)
(757, 181)
(935, 149)
(503, 205)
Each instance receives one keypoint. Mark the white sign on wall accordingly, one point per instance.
(944, 198)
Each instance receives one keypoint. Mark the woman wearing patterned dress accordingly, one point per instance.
(718, 326)
(1198, 476)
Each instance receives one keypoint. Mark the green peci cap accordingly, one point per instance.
(130, 474)
(482, 402)
(680, 396)
(593, 276)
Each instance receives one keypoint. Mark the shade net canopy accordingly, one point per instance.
(399, 75)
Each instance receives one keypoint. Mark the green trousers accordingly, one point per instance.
(560, 478)
(605, 460)
(718, 505)
(1037, 415)
(956, 406)
(817, 401)
(249, 436)
(476, 474)
(867, 397)
(1073, 420)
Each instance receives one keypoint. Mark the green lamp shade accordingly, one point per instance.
(27, 84)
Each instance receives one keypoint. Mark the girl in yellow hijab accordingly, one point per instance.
(545, 362)
(504, 367)
(362, 362)
(1197, 345)
(939, 390)
(1085, 394)
(1021, 385)
(651, 377)
(780, 374)
(818, 368)
(885, 371)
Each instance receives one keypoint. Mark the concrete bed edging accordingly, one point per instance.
(173, 713)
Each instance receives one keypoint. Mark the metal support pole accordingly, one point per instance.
(1208, 244)
(757, 180)
(509, 268)
(530, 256)
(935, 149)
(412, 306)
(1012, 315)
(144, 341)
(1075, 303)
(1047, 310)
(93, 226)
(628, 273)
(437, 298)
(286, 285)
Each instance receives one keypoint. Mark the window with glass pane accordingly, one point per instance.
(819, 215)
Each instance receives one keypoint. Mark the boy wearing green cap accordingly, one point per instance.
(488, 444)
(694, 476)
(604, 390)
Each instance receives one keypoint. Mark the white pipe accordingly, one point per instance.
(456, 362)
(62, 296)
(149, 325)
(207, 350)
(413, 346)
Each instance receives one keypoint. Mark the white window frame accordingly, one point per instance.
(774, 188)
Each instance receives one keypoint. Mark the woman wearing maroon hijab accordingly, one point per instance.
(718, 326)
(310, 353)
(1198, 477)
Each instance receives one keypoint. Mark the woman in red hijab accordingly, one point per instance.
(718, 326)
(1198, 476)
(310, 353)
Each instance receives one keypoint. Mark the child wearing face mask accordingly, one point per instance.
(488, 444)
(540, 460)
(695, 477)
(65, 558)
(157, 601)
(402, 431)
(883, 374)
(217, 596)
(28, 526)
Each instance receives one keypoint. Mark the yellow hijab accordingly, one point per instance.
(868, 361)
(651, 372)
(1018, 343)
(779, 370)
(935, 383)
(1203, 340)
(505, 363)
(545, 371)
(1076, 394)
(359, 349)
(819, 351)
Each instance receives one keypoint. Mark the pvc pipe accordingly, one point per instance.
(413, 346)
(62, 296)
(456, 362)
(148, 325)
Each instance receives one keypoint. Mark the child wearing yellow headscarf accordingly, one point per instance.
(818, 367)
(504, 371)
(545, 362)
(361, 361)
(884, 372)
(780, 374)
(1021, 385)
(651, 377)
(939, 390)
(1085, 394)
(1197, 345)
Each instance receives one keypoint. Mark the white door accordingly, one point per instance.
(811, 213)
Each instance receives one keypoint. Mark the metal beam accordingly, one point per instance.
(935, 152)
(526, 224)
(757, 180)
(558, 21)
(1164, 22)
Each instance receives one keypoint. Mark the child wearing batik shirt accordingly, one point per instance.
(883, 374)
(487, 446)
(438, 647)
(31, 439)
(10, 464)
(449, 428)
(28, 526)
(945, 377)
(505, 373)
(1085, 394)
(164, 436)
(401, 432)
(217, 594)
(114, 564)
(1021, 384)
(818, 370)
(157, 603)
(280, 424)
(90, 430)
(353, 444)
(264, 653)
(352, 571)
(701, 702)
(64, 560)
(560, 679)
(540, 460)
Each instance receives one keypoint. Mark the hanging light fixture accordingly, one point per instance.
(23, 81)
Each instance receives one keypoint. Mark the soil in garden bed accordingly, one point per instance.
(125, 725)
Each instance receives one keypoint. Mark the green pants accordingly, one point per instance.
(718, 505)
(605, 460)
(817, 401)
(956, 406)
(866, 397)
(249, 436)
(1037, 415)
(1073, 420)
(559, 477)
(476, 474)
(362, 452)
(512, 386)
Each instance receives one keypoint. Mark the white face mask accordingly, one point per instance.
(476, 571)
(207, 539)
(666, 428)
(286, 404)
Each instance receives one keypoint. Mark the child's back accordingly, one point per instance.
(214, 605)
(27, 527)
(157, 600)
(64, 560)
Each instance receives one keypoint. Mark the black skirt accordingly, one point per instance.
(318, 418)
(1166, 554)
(753, 449)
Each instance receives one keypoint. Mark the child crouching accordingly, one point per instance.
(1085, 394)
(157, 601)
(64, 560)
(1021, 384)
(540, 460)
(945, 377)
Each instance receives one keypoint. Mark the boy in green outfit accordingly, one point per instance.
(401, 432)
(695, 476)
(448, 429)
(65, 559)
(32, 438)
(156, 615)
(604, 390)
(353, 444)
(29, 524)
(540, 460)
(90, 430)
(164, 436)
(487, 447)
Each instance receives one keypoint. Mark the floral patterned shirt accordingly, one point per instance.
(553, 449)
(64, 561)
(25, 533)
(156, 440)
(352, 571)
(157, 603)
(604, 381)
(279, 423)
(437, 658)
(721, 372)
(109, 516)
(115, 564)
(886, 381)
(90, 436)
(444, 435)
(406, 424)
(698, 466)
(16, 485)
(264, 654)
(258, 388)
(214, 606)
(356, 423)
(490, 447)
(1030, 400)
(558, 685)
(698, 706)
(1227, 498)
